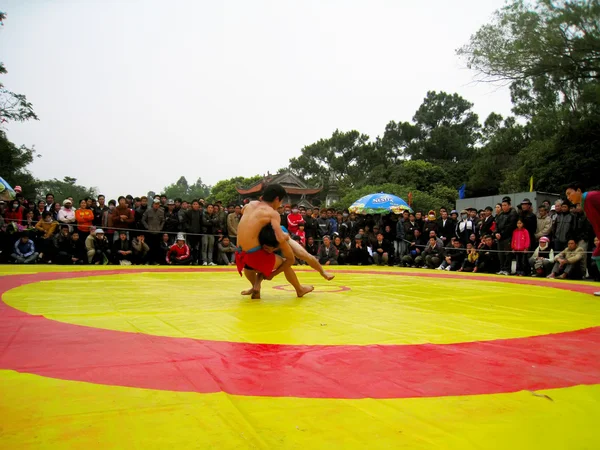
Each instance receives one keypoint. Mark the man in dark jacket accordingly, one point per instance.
(488, 224)
(323, 224)
(382, 249)
(529, 220)
(192, 225)
(506, 223)
(171, 220)
(445, 227)
(210, 228)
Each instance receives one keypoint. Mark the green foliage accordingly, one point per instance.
(13, 165)
(182, 189)
(549, 51)
(225, 191)
(13, 106)
(67, 187)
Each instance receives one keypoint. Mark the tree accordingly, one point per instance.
(182, 189)
(448, 128)
(13, 165)
(548, 51)
(225, 190)
(67, 187)
(13, 106)
(347, 154)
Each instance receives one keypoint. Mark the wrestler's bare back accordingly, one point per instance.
(255, 215)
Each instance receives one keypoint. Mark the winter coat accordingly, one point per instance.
(506, 223)
(520, 240)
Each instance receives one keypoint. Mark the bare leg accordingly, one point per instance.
(256, 286)
(251, 276)
(301, 289)
(313, 262)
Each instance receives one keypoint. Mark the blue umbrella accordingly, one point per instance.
(380, 203)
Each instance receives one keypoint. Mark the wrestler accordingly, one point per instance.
(251, 257)
(590, 203)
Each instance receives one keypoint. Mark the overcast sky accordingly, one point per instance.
(133, 94)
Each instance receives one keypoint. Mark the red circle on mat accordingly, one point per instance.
(36, 345)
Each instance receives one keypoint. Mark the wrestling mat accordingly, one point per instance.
(160, 358)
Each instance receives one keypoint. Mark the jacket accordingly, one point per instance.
(547, 253)
(192, 221)
(178, 252)
(464, 230)
(48, 228)
(529, 223)
(210, 224)
(446, 229)
(66, 215)
(544, 227)
(139, 247)
(520, 240)
(438, 250)
(171, 221)
(385, 245)
(572, 257)
(324, 226)
(116, 217)
(154, 219)
(563, 226)
(233, 220)
(506, 223)
(324, 255)
(293, 221)
(24, 249)
(85, 219)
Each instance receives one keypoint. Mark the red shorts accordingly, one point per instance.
(260, 261)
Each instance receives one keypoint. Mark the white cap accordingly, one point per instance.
(180, 237)
(99, 231)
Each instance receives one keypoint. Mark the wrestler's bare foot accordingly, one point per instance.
(255, 294)
(304, 289)
(328, 276)
(247, 292)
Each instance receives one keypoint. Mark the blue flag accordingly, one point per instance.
(461, 191)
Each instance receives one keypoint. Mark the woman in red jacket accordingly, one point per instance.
(14, 213)
(520, 245)
(84, 218)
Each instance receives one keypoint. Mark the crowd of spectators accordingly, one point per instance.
(554, 241)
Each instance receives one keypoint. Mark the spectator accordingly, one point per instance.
(211, 223)
(98, 249)
(487, 225)
(581, 231)
(544, 223)
(471, 261)
(24, 251)
(107, 220)
(185, 206)
(488, 255)
(49, 201)
(165, 245)
(140, 210)
(99, 210)
(66, 215)
(153, 221)
(432, 256)
(56, 207)
(122, 250)
(193, 225)
(344, 250)
(294, 220)
(46, 228)
(28, 223)
(568, 263)
(179, 253)
(382, 249)
(301, 234)
(15, 213)
(563, 225)
(415, 249)
(542, 260)
(529, 221)
(84, 218)
(465, 227)
(76, 253)
(123, 217)
(430, 224)
(171, 220)
(520, 245)
(226, 252)
(62, 246)
(39, 210)
(445, 227)
(141, 250)
(324, 224)
(455, 257)
(506, 224)
(311, 247)
(233, 221)
(327, 253)
(359, 255)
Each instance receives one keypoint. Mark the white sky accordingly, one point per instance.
(133, 94)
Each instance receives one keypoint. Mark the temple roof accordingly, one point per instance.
(290, 182)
